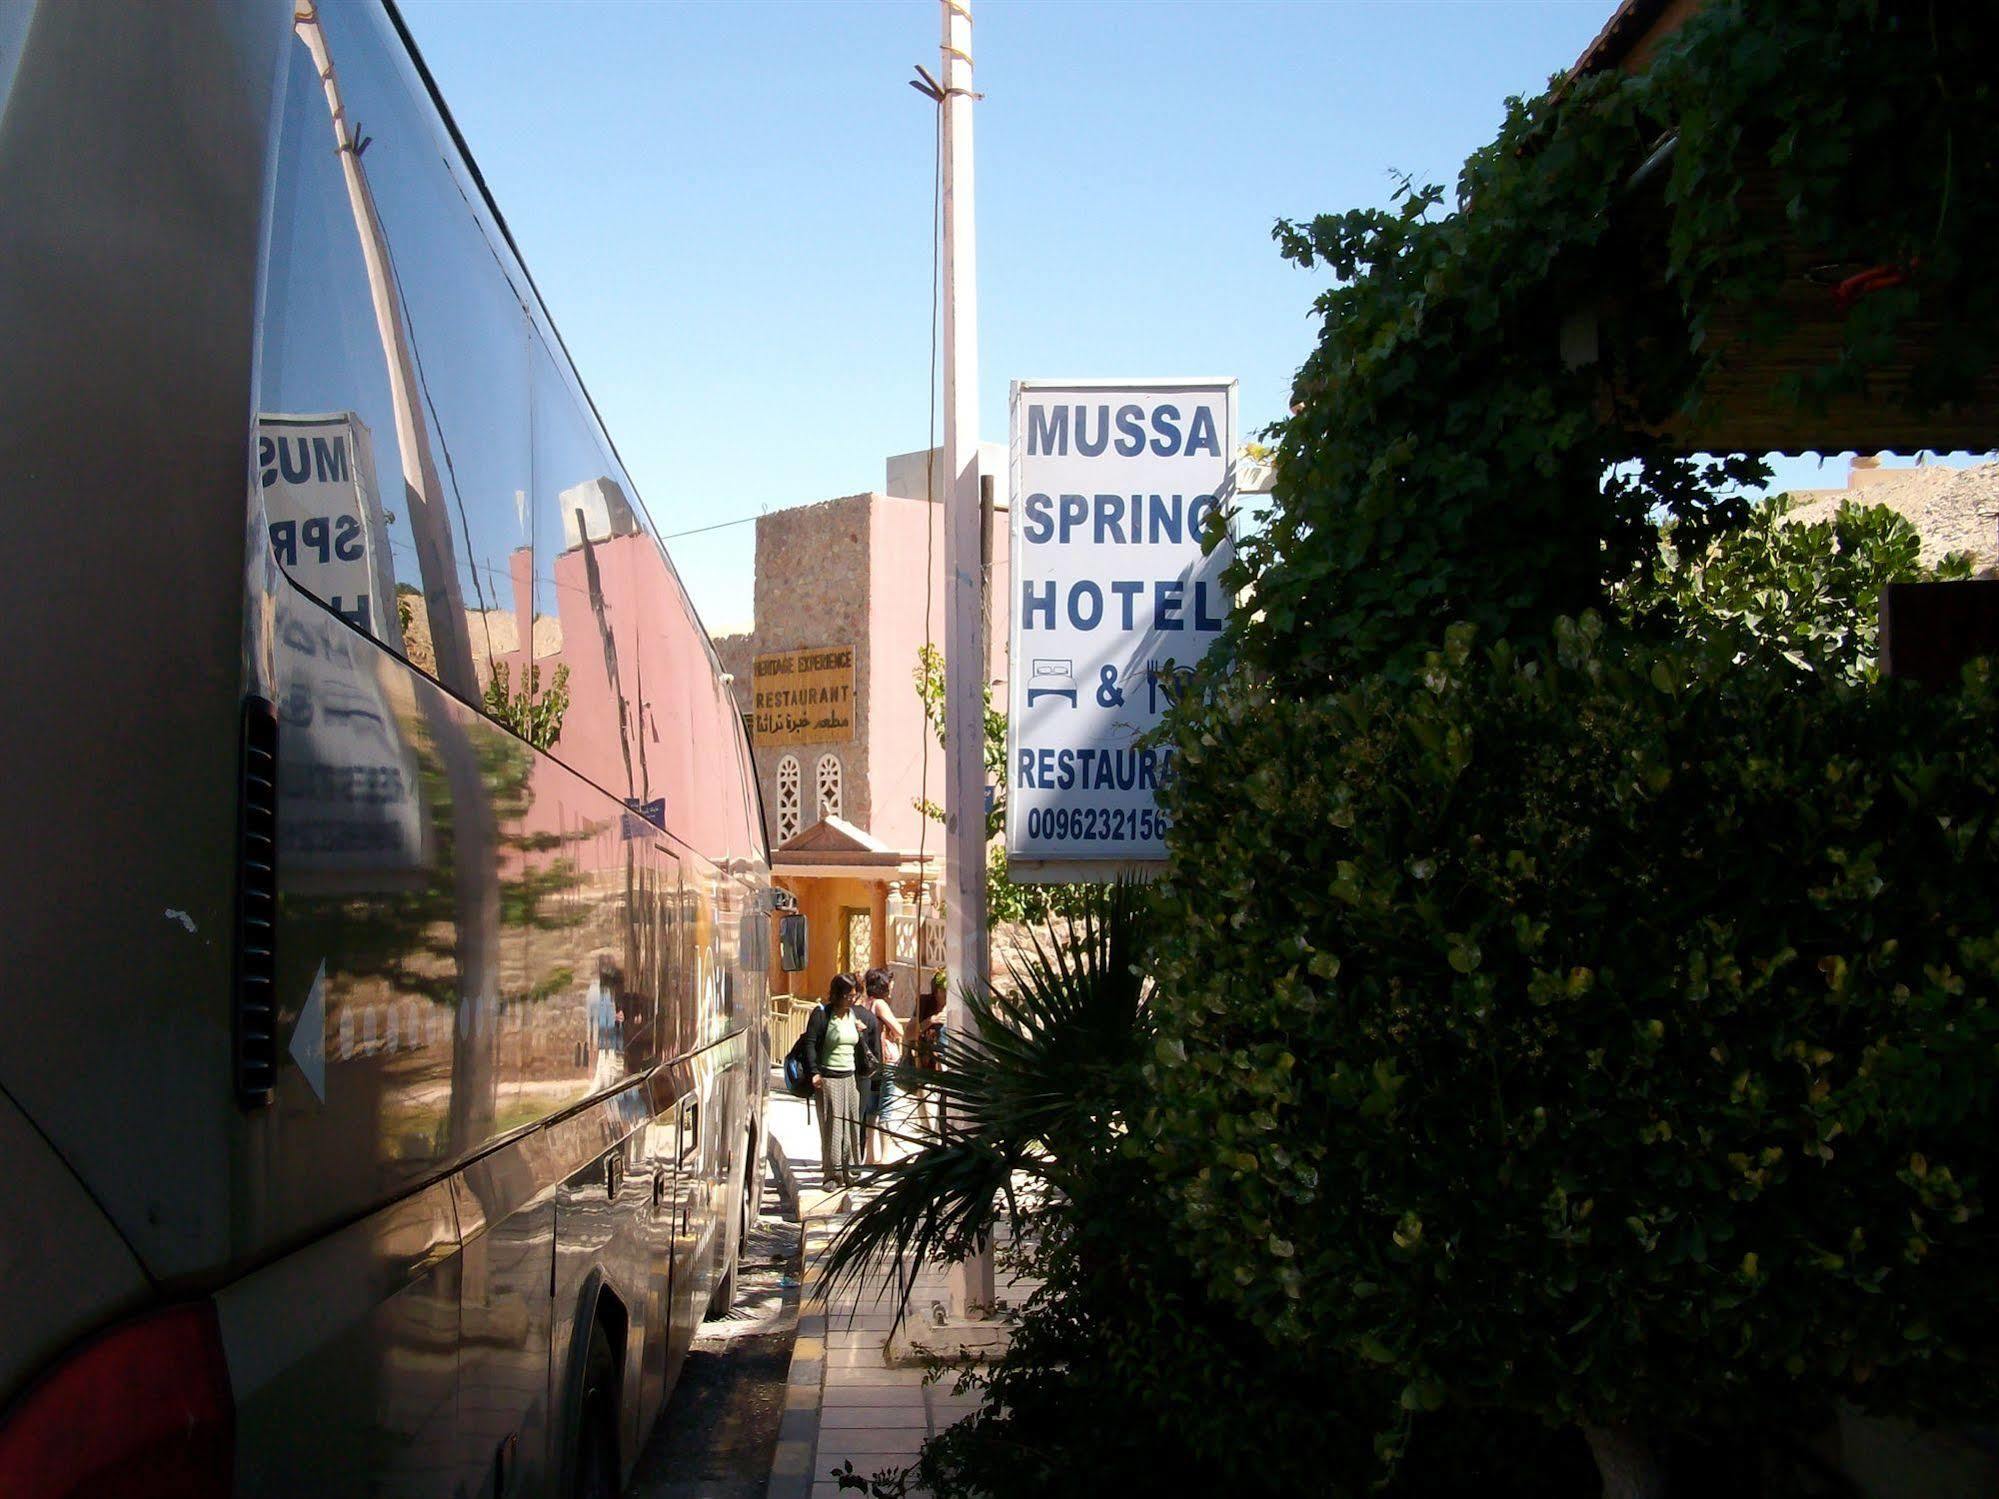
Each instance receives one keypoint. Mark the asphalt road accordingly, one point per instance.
(719, 1429)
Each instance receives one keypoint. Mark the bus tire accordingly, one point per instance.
(597, 1422)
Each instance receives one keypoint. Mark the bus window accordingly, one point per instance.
(590, 562)
(326, 434)
(392, 327)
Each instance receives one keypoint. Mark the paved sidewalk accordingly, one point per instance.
(844, 1401)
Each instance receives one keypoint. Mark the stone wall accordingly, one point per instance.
(812, 583)
(851, 572)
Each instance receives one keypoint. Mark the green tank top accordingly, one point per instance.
(842, 1036)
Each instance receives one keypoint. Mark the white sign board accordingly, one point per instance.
(347, 777)
(327, 528)
(1113, 599)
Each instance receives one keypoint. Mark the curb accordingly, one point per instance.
(792, 1463)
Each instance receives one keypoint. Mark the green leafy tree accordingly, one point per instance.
(1593, 1034)
(1040, 1103)
(535, 713)
(1576, 984)
(1448, 460)
(1781, 595)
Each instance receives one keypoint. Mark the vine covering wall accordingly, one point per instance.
(1447, 463)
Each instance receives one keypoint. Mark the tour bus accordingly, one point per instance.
(387, 908)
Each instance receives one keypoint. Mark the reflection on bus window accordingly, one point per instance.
(588, 593)
(416, 355)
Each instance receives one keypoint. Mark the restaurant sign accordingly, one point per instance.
(804, 696)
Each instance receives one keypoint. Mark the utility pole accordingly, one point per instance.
(966, 954)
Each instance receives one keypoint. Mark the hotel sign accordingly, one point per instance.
(804, 696)
(1117, 594)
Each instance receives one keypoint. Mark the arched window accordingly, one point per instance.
(829, 785)
(789, 804)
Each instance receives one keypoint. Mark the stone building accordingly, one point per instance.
(847, 593)
(1952, 509)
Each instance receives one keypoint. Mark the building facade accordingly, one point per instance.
(848, 592)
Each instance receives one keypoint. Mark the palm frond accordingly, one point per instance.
(1035, 1090)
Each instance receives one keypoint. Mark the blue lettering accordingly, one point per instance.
(1198, 512)
(329, 459)
(285, 462)
(1165, 518)
(1110, 524)
(1201, 433)
(1048, 430)
(1145, 771)
(1167, 601)
(312, 535)
(1127, 592)
(357, 616)
(1029, 605)
(266, 461)
(1025, 768)
(1202, 619)
(1066, 777)
(1075, 510)
(1083, 443)
(1165, 421)
(284, 534)
(1131, 430)
(1040, 524)
(1096, 597)
(347, 539)
(1044, 767)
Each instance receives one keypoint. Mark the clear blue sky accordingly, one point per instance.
(727, 206)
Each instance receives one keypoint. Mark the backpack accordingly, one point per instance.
(797, 1076)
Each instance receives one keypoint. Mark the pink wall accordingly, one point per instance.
(679, 736)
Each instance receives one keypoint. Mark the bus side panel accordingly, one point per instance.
(132, 161)
(343, 1360)
(617, 1217)
(455, 949)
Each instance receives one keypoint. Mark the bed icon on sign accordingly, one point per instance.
(1052, 678)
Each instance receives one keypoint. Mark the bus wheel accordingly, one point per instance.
(597, 1423)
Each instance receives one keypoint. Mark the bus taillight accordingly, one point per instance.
(140, 1412)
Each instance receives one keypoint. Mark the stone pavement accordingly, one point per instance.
(845, 1401)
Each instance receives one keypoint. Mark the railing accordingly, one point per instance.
(788, 1015)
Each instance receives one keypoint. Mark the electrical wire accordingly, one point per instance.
(720, 525)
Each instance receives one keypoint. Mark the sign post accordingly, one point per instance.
(1115, 598)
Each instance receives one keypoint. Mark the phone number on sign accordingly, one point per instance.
(1099, 824)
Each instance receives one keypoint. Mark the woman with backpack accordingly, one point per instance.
(839, 1055)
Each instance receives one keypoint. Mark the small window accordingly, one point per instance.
(789, 808)
(829, 786)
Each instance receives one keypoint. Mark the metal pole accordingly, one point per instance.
(965, 953)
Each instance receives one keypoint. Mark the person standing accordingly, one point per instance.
(838, 1055)
(888, 1045)
(926, 1047)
